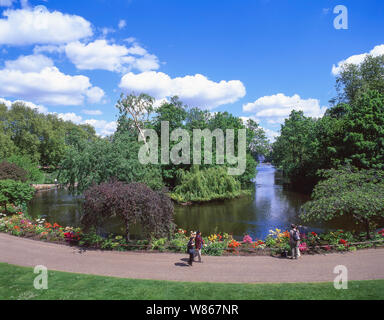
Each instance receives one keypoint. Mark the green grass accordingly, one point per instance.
(17, 283)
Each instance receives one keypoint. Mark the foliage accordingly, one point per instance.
(351, 131)
(134, 203)
(354, 79)
(205, 185)
(356, 193)
(12, 171)
(15, 192)
(34, 175)
(43, 138)
(100, 160)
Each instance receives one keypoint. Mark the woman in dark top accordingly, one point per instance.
(191, 248)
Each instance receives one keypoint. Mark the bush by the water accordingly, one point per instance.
(133, 203)
(205, 185)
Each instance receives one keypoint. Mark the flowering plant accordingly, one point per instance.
(247, 239)
(303, 247)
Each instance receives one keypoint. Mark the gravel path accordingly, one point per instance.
(362, 265)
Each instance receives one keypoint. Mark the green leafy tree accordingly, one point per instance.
(205, 185)
(15, 192)
(33, 173)
(356, 193)
(355, 79)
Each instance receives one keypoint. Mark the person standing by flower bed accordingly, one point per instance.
(191, 248)
(199, 242)
(294, 241)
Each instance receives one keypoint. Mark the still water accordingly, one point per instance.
(272, 206)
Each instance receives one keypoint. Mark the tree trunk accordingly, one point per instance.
(367, 228)
(127, 230)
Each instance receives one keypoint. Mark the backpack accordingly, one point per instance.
(296, 235)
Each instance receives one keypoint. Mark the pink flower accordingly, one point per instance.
(303, 247)
(247, 239)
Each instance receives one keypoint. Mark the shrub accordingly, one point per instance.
(134, 203)
(11, 171)
(15, 192)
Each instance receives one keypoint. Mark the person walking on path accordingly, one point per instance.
(199, 242)
(191, 248)
(294, 240)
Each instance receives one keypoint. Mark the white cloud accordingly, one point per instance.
(122, 24)
(49, 48)
(92, 112)
(70, 116)
(31, 63)
(271, 134)
(277, 107)
(44, 83)
(195, 90)
(99, 54)
(6, 3)
(104, 128)
(38, 25)
(28, 104)
(358, 58)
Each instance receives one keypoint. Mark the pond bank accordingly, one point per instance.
(43, 187)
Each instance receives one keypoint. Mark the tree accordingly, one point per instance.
(257, 140)
(139, 108)
(34, 175)
(356, 193)
(294, 150)
(12, 171)
(15, 192)
(100, 160)
(134, 203)
(205, 185)
(355, 79)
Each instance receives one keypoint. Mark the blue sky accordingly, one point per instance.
(258, 58)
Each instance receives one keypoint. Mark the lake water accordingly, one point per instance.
(272, 206)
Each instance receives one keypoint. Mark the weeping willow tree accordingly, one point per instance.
(206, 185)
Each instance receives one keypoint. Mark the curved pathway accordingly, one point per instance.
(362, 265)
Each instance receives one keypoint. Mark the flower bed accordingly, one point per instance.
(276, 243)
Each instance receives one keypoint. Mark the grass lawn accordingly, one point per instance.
(17, 283)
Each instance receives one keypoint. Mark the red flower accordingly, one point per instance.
(314, 234)
(342, 241)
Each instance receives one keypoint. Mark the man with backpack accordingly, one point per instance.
(199, 242)
(294, 240)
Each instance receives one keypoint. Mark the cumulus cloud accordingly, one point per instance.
(70, 116)
(39, 26)
(195, 90)
(276, 107)
(44, 83)
(28, 104)
(31, 63)
(357, 59)
(99, 54)
(104, 128)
